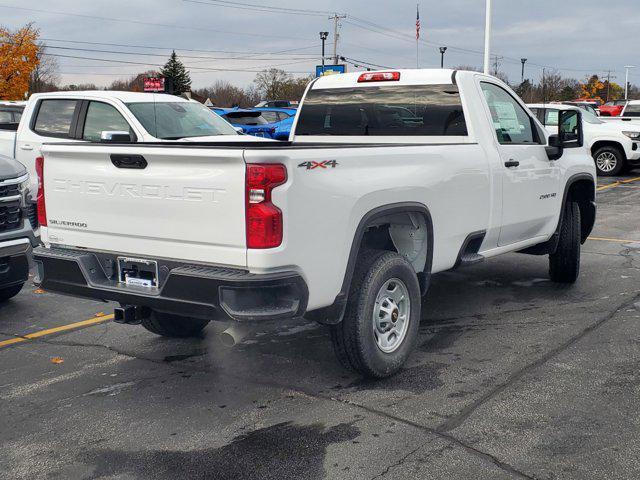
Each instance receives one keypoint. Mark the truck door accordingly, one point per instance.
(52, 121)
(530, 181)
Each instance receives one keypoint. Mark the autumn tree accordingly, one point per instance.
(18, 59)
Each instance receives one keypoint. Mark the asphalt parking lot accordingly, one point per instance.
(514, 377)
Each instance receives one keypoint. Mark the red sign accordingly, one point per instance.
(154, 84)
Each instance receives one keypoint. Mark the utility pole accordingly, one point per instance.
(496, 65)
(336, 35)
(523, 60)
(442, 50)
(626, 80)
(487, 37)
(323, 37)
(609, 77)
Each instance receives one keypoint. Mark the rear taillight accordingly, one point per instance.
(264, 219)
(42, 208)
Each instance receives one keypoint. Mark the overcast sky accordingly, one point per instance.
(575, 37)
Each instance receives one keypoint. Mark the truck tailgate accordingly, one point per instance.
(173, 203)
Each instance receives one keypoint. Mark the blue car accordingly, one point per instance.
(260, 122)
(283, 128)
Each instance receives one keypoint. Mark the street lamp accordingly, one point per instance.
(523, 60)
(323, 37)
(626, 80)
(442, 50)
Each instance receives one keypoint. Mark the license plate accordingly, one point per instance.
(138, 272)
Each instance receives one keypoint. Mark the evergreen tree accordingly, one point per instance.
(176, 75)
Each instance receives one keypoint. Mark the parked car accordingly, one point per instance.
(590, 107)
(250, 121)
(10, 113)
(283, 129)
(344, 225)
(612, 109)
(613, 146)
(17, 221)
(277, 104)
(114, 116)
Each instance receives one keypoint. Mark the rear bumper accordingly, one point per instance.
(191, 290)
(14, 262)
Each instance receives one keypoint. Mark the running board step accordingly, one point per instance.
(470, 259)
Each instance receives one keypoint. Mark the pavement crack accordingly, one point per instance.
(400, 461)
(455, 421)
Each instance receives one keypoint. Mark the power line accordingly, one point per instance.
(153, 47)
(138, 22)
(260, 8)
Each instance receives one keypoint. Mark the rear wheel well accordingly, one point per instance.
(406, 233)
(608, 143)
(583, 193)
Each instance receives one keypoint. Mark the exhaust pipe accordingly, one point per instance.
(234, 334)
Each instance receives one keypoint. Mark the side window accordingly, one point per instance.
(55, 118)
(511, 122)
(551, 117)
(5, 117)
(632, 111)
(17, 116)
(102, 117)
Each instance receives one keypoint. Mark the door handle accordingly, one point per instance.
(511, 163)
(128, 161)
(26, 147)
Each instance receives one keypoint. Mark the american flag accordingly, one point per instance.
(417, 22)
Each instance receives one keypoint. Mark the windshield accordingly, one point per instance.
(176, 120)
(589, 117)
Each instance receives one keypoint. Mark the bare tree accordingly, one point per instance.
(45, 77)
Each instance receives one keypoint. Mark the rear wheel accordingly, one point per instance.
(380, 326)
(564, 263)
(169, 325)
(10, 292)
(609, 161)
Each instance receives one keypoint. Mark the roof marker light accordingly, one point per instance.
(379, 77)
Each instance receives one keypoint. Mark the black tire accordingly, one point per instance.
(612, 154)
(353, 339)
(564, 264)
(169, 325)
(9, 292)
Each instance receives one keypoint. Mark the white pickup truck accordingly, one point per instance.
(388, 178)
(60, 117)
(614, 146)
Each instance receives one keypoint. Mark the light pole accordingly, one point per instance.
(442, 50)
(523, 60)
(626, 80)
(323, 37)
(487, 38)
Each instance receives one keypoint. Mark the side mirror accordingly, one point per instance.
(570, 129)
(115, 136)
(554, 149)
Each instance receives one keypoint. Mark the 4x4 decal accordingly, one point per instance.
(323, 164)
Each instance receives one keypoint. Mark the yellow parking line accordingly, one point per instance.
(62, 328)
(618, 183)
(616, 240)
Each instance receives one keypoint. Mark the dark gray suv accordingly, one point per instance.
(18, 220)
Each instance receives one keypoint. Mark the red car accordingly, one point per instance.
(613, 109)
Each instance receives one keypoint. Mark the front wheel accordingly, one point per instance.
(169, 325)
(609, 161)
(564, 263)
(380, 325)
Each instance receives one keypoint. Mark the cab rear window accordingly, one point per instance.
(390, 110)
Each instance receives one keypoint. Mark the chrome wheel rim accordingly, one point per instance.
(606, 162)
(391, 315)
